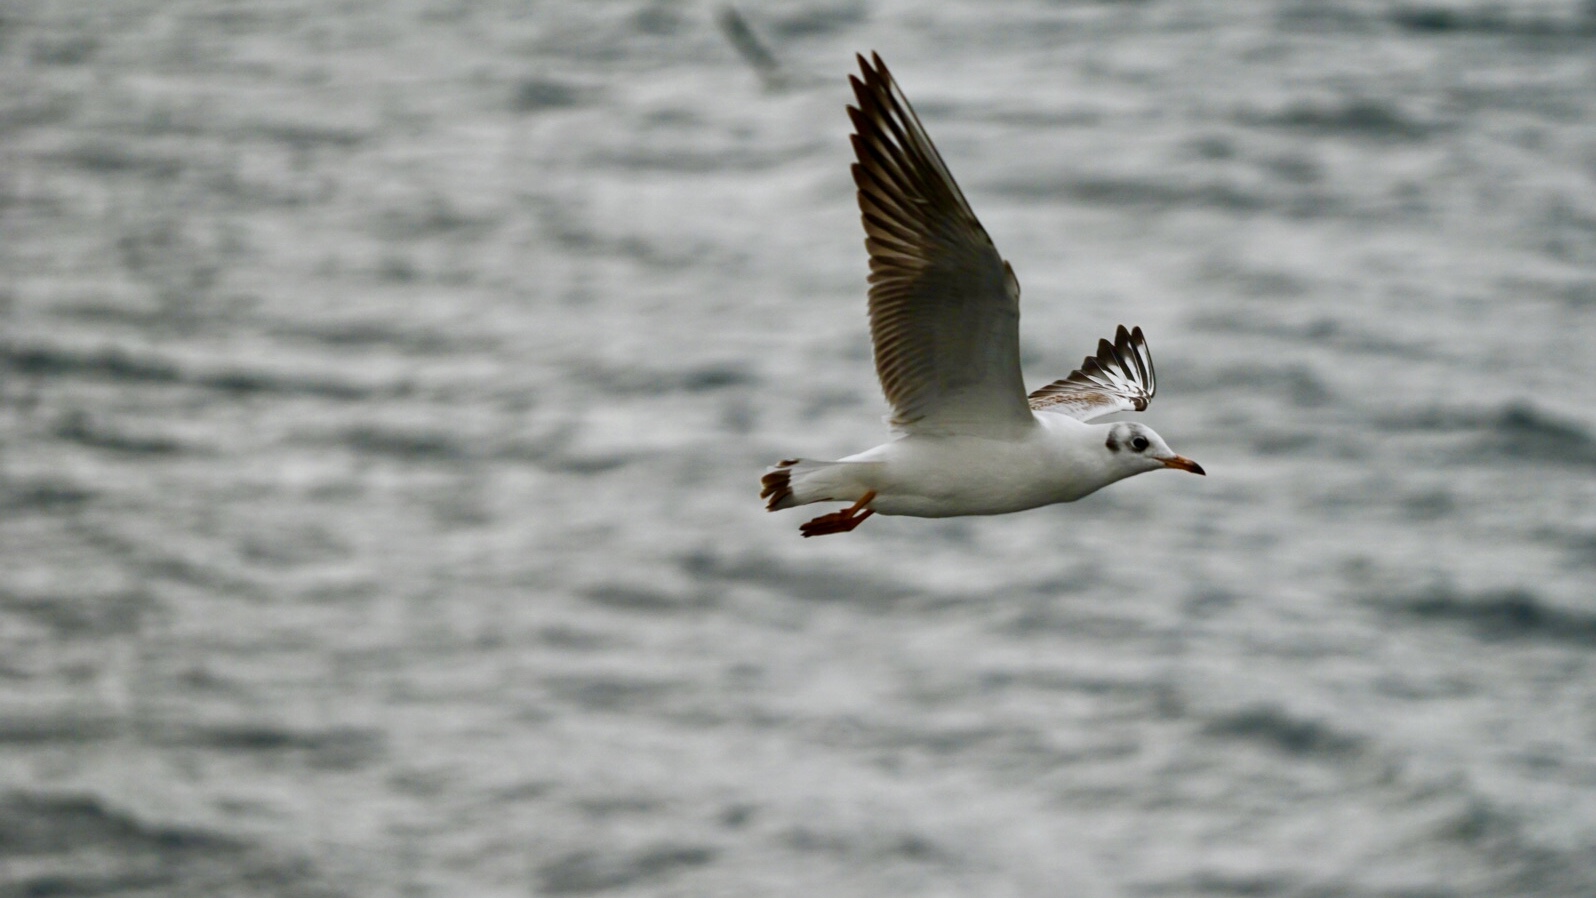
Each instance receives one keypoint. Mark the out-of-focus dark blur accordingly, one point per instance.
(384, 390)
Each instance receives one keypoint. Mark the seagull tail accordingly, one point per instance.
(800, 481)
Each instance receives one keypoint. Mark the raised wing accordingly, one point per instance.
(1118, 379)
(944, 306)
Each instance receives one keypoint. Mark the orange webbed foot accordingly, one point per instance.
(840, 521)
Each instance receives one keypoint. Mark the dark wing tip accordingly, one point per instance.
(860, 118)
(1138, 363)
(1123, 368)
(872, 72)
(1142, 357)
(877, 79)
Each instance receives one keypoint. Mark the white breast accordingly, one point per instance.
(1060, 460)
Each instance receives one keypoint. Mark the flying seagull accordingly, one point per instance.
(944, 318)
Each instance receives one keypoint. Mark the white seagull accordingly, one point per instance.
(944, 318)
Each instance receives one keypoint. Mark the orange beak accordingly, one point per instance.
(1182, 463)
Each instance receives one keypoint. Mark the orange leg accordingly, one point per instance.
(840, 521)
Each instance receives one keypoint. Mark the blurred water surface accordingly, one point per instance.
(384, 389)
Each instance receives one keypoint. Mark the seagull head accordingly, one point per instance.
(1136, 449)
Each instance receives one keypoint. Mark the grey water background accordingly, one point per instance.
(386, 387)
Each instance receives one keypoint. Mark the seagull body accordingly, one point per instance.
(944, 320)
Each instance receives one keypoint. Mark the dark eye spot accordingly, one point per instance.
(1139, 443)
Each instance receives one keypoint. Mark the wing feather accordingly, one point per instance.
(1120, 378)
(944, 306)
